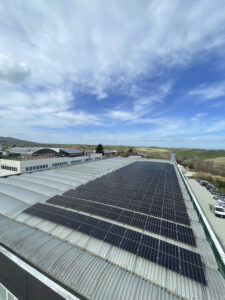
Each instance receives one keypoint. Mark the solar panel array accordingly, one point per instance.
(145, 195)
(175, 258)
(152, 224)
(149, 188)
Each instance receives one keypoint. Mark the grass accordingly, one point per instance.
(200, 153)
(149, 150)
(218, 161)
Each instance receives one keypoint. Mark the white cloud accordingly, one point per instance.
(140, 109)
(216, 126)
(51, 109)
(12, 71)
(198, 116)
(191, 139)
(92, 43)
(96, 47)
(153, 95)
(208, 92)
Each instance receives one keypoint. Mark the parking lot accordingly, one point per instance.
(205, 198)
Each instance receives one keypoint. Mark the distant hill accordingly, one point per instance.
(9, 141)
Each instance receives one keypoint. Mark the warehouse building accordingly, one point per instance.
(121, 228)
(43, 151)
(21, 160)
(108, 152)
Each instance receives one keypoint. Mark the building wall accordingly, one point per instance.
(11, 167)
(21, 284)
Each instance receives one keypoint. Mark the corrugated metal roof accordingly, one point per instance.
(40, 186)
(10, 206)
(154, 273)
(39, 178)
(84, 273)
(34, 187)
(92, 268)
(71, 150)
(27, 196)
(24, 150)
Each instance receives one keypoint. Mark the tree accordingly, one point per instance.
(99, 148)
(130, 150)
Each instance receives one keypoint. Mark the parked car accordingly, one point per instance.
(221, 203)
(212, 188)
(219, 197)
(209, 187)
(217, 210)
(215, 192)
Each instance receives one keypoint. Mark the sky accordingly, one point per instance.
(131, 72)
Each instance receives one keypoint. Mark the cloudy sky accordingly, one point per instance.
(133, 72)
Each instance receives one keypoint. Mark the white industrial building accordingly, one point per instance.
(25, 164)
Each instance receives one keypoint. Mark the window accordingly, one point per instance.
(8, 168)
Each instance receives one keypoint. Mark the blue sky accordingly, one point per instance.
(114, 72)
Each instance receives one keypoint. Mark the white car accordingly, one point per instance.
(217, 210)
(221, 203)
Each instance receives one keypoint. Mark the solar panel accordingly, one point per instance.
(99, 233)
(129, 245)
(163, 253)
(133, 186)
(113, 239)
(151, 224)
